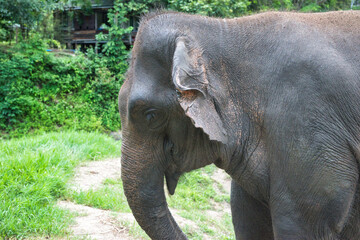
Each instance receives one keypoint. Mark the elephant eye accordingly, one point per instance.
(150, 115)
(154, 118)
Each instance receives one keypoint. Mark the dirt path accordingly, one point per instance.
(93, 223)
(92, 174)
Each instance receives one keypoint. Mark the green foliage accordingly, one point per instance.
(40, 92)
(33, 174)
(313, 7)
(303, 5)
(115, 52)
(232, 8)
(23, 12)
(26, 13)
(6, 29)
(218, 8)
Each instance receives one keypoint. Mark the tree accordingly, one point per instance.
(26, 13)
(115, 52)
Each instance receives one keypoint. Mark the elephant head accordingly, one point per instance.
(171, 119)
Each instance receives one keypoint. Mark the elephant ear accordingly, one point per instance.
(190, 80)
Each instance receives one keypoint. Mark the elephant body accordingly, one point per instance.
(273, 99)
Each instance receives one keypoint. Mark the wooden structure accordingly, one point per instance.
(79, 28)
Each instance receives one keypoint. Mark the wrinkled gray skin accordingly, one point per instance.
(273, 99)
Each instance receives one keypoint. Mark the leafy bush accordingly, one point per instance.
(41, 92)
(115, 52)
(218, 8)
(313, 7)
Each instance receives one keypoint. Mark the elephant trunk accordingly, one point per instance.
(143, 182)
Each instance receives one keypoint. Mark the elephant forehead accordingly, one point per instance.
(149, 81)
(153, 44)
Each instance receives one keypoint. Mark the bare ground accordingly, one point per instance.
(93, 223)
(92, 174)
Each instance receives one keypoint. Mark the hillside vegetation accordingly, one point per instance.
(42, 92)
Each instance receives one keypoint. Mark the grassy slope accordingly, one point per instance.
(33, 174)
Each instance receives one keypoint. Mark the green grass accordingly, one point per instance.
(195, 191)
(34, 172)
(220, 229)
(109, 197)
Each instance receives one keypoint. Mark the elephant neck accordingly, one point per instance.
(244, 157)
(247, 166)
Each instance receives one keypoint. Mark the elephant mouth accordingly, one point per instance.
(172, 181)
(171, 174)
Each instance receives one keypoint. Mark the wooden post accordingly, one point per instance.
(70, 23)
(96, 21)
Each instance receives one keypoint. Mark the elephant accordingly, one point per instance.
(272, 98)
